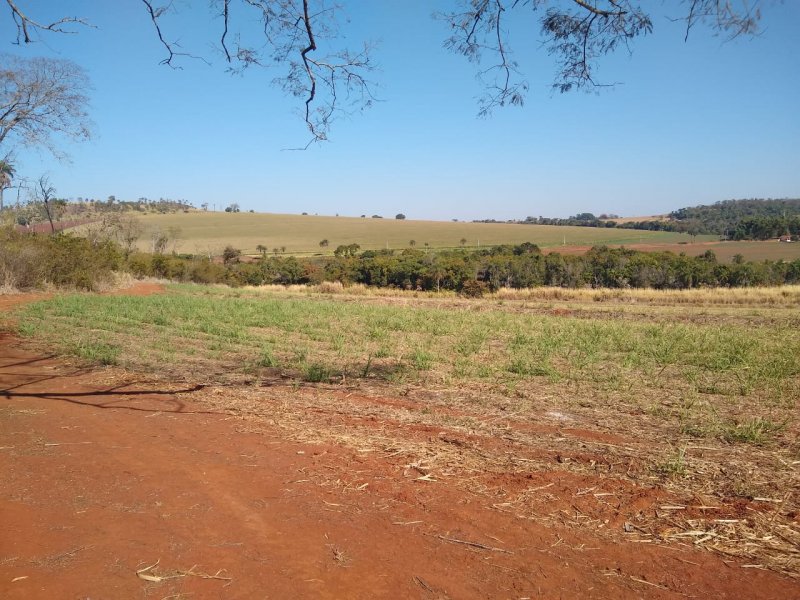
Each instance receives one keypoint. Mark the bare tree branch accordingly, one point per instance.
(301, 40)
(155, 14)
(733, 17)
(225, 17)
(44, 193)
(25, 24)
(577, 33)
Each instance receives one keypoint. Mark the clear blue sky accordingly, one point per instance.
(692, 123)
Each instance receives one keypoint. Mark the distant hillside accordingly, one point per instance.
(200, 232)
(744, 219)
(730, 219)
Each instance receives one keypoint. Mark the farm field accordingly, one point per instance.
(751, 250)
(201, 232)
(591, 443)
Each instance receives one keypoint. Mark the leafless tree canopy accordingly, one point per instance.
(576, 33)
(41, 98)
(300, 38)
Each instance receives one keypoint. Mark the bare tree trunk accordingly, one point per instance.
(49, 217)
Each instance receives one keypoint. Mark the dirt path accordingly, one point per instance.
(101, 480)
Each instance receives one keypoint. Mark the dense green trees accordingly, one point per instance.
(520, 266)
(733, 219)
(33, 260)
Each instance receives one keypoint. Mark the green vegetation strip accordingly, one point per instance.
(221, 334)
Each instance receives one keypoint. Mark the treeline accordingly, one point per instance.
(36, 260)
(472, 273)
(84, 206)
(751, 219)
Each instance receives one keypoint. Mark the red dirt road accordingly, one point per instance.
(100, 481)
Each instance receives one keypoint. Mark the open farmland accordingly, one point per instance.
(616, 423)
(202, 232)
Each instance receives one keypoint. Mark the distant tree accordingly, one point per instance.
(346, 250)
(230, 255)
(377, 217)
(159, 240)
(128, 231)
(283, 249)
(204, 206)
(174, 235)
(400, 216)
(323, 243)
(7, 173)
(412, 243)
(46, 194)
(463, 241)
(262, 249)
(232, 208)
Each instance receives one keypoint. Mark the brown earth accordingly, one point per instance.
(105, 474)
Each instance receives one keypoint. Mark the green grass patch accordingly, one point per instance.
(203, 332)
(752, 431)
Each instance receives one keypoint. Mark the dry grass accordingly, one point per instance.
(202, 232)
(787, 295)
(772, 296)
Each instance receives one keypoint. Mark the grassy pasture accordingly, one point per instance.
(210, 332)
(301, 234)
(695, 392)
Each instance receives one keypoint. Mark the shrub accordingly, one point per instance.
(35, 260)
(473, 288)
(330, 287)
(317, 373)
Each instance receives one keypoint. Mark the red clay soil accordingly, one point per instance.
(100, 482)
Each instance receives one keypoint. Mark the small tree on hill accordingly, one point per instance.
(46, 194)
(400, 216)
